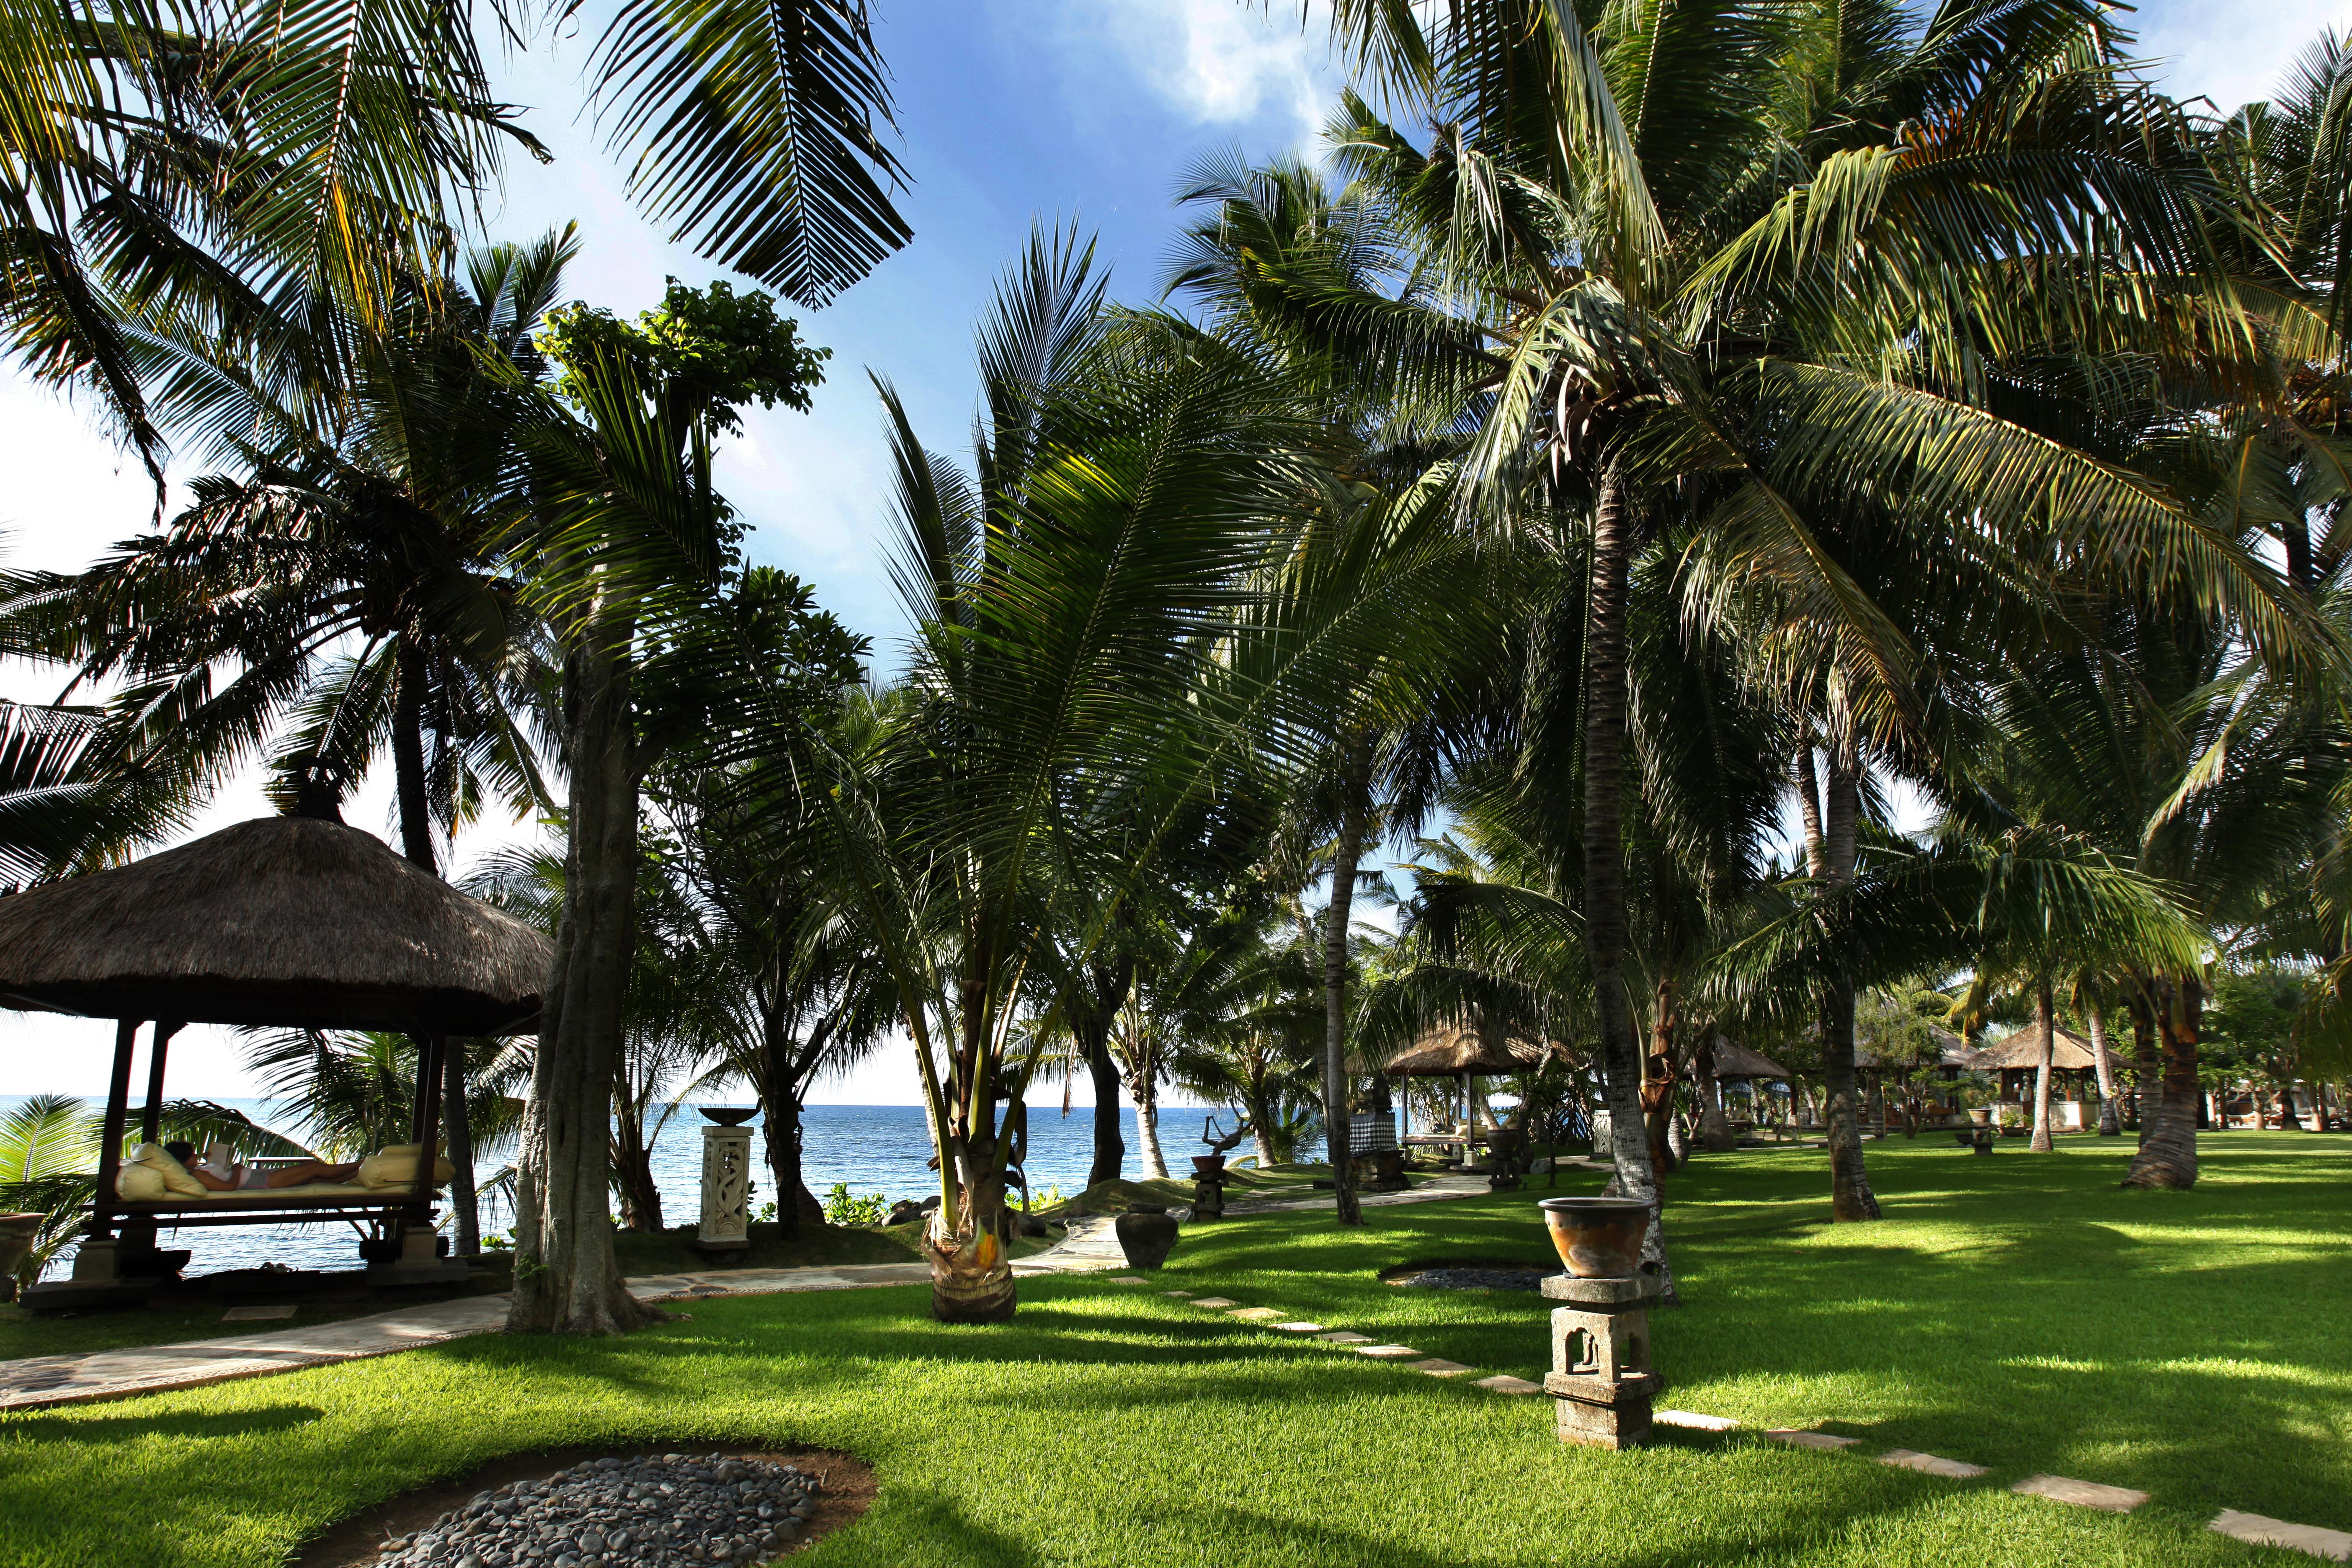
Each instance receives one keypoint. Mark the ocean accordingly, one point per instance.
(873, 1148)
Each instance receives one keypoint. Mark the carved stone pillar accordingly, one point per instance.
(726, 1190)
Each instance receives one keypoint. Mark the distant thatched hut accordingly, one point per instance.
(2016, 1057)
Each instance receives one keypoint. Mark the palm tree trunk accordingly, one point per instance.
(2110, 1119)
(1110, 1149)
(408, 757)
(464, 1204)
(1146, 1127)
(1850, 1194)
(1604, 863)
(1658, 1083)
(2167, 1154)
(1713, 1126)
(971, 1271)
(566, 1278)
(780, 1105)
(1355, 812)
(2047, 1019)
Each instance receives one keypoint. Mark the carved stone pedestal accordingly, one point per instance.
(1601, 1372)
(1209, 1197)
(726, 1190)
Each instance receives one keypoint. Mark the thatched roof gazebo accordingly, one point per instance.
(2021, 1050)
(291, 922)
(1453, 1051)
(1735, 1061)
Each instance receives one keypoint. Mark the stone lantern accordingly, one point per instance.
(1601, 1372)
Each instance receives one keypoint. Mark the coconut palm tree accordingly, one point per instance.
(1111, 626)
(1770, 272)
(247, 169)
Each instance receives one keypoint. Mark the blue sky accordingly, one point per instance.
(1012, 112)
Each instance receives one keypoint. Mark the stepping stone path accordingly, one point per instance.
(1213, 1301)
(1931, 1464)
(1342, 1337)
(1438, 1366)
(1504, 1383)
(1127, 1279)
(1799, 1439)
(1301, 1328)
(1387, 1352)
(2261, 1531)
(1256, 1314)
(1694, 1421)
(1178, 1295)
(2082, 1494)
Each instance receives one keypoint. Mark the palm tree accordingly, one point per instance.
(1767, 272)
(1095, 649)
(247, 168)
(345, 598)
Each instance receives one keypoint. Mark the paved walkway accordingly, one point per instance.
(1090, 1245)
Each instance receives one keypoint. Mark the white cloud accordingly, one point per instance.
(2229, 50)
(1218, 62)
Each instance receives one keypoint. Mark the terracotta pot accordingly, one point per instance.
(1981, 1116)
(1146, 1234)
(1598, 1238)
(1208, 1165)
(16, 1234)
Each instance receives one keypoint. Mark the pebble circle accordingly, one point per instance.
(665, 1510)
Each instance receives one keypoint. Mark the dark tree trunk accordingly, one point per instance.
(2045, 1015)
(1715, 1134)
(2168, 1156)
(1604, 864)
(972, 1270)
(1850, 1194)
(1658, 1083)
(1102, 1068)
(1355, 814)
(566, 1278)
(408, 758)
(779, 1118)
(2147, 1068)
(464, 1204)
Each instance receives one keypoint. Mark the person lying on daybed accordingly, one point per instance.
(219, 1170)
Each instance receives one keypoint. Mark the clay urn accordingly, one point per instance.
(1208, 1165)
(1598, 1238)
(1146, 1233)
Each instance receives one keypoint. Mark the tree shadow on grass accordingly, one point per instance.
(59, 1428)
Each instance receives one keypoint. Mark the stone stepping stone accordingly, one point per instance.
(2254, 1528)
(1504, 1383)
(1342, 1337)
(2082, 1494)
(1178, 1295)
(1797, 1438)
(1127, 1279)
(1387, 1352)
(1438, 1366)
(1256, 1314)
(1301, 1328)
(1213, 1301)
(1694, 1421)
(258, 1314)
(1931, 1464)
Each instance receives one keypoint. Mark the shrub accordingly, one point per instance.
(844, 1208)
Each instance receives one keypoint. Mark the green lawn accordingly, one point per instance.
(2019, 1311)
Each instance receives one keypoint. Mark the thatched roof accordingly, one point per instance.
(2023, 1049)
(1733, 1059)
(285, 921)
(1449, 1051)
